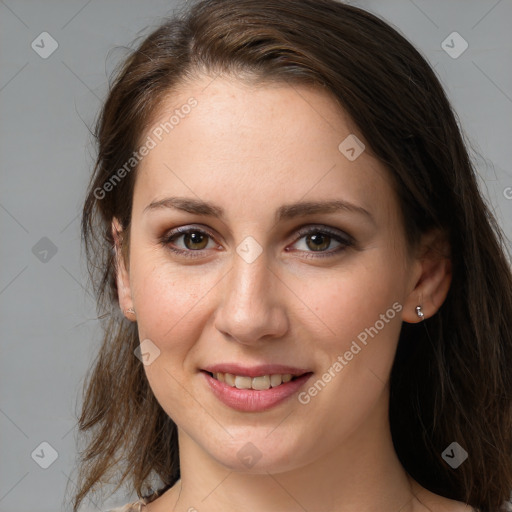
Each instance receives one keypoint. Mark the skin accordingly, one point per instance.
(250, 149)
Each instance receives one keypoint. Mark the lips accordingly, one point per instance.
(247, 389)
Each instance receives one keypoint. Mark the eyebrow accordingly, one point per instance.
(285, 212)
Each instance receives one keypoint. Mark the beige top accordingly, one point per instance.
(136, 506)
(140, 505)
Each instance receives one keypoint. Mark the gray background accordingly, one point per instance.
(49, 331)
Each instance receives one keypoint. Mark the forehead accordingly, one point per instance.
(256, 147)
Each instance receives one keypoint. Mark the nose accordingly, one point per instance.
(252, 308)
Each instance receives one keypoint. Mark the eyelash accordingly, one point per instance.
(346, 241)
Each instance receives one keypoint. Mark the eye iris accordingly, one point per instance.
(320, 241)
(195, 238)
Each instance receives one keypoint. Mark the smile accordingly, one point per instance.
(253, 394)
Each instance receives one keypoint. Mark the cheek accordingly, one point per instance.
(168, 298)
(358, 314)
(342, 304)
(170, 312)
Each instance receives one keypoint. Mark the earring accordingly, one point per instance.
(129, 310)
(420, 313)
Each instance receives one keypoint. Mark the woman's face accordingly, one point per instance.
(271, 280)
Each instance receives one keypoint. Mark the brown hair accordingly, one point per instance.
(452, 377)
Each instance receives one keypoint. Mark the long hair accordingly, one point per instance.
(451, 379)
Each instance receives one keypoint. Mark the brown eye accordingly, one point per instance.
(318, 242)
(195, 240)
(320, 239)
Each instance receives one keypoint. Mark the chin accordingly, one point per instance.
(257, 455)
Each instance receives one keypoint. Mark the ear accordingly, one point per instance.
(432, 276)
(122, 276)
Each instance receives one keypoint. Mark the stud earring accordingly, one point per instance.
(129, 310)
(420, 313)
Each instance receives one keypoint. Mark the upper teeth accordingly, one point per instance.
(259, 383)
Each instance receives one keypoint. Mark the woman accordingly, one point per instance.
(316, 299)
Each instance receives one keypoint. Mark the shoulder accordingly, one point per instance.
(136, 506)
(442, 504)
(436, 502)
